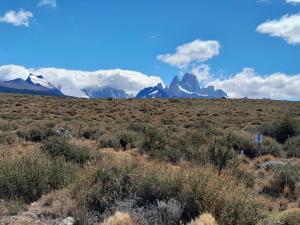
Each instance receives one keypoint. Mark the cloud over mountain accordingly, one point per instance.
(252, 85)
(72, 81)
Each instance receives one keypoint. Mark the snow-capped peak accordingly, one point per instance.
(39, 80)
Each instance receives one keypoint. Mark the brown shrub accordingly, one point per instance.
(119, 219)
(204, 219)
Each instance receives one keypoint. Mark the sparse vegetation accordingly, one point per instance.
(29, 177)
(59, 147)
(160, 161)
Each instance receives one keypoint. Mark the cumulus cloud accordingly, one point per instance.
(252, 85)
(72, 81)
(193, 52)
(20, 18)
(287, 27)
(202, 72)
(49, 3)
(293, 1)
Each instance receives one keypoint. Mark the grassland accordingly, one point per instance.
(158, 161)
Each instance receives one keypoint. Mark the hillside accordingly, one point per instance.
(148, 161)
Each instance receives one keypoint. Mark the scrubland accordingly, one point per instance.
(161, 162)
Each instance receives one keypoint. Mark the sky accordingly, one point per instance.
(248, 48)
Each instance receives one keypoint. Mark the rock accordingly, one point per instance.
(64, 133)
(68, 221)
(270, 164)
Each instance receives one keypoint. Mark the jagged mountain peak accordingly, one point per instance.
(38, 80)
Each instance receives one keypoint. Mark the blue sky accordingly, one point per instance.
(96, 34)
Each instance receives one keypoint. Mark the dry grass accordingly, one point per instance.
(204, 219)
(119, 218)
(189, 179)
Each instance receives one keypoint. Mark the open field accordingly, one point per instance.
(160, 161)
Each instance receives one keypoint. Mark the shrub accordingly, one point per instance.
(107, 186)
(36, 134)
(285, 178)
(281, 130)
(108, 141)
(270, 147)
(288, 217)
(195, 189)
(204, 219)
(128, 139)
(8, 138)
(59, 147)
(198, 189)
(154, 140)
(119, 219)
(170, 212)
(292, 147)
(31, 176)
(221, 153)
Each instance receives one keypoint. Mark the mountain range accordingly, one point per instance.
(34, 85)
(187, 87)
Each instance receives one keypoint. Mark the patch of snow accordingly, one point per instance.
(39, 80)
(185, 91)
(154, 92)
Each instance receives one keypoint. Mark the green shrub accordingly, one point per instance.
(292, 147)
(128, 139)
(36, 134)
(281, 130)
(59, 147)
(154, 140)
(288, 217)
(8, 138)
(270, 147)
(284, 176)
(221, 153)
(31, 176)
(196, 189)
(108, 141)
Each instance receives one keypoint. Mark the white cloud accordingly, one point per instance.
(287, 27)
(252, 85)
(293, 1)
(50, 3)
(264, 2)
(193, 52)
(202, 72)
(72, 81)
(20, 18)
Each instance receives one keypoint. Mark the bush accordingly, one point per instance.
(128, 139)
(205, 219)
(59, 147)
(221, 153)
(284, 181)
(195, 189)
(292, 147)
(8, 138)
(269, 146)
(108, 141)
(119, 219)
(31, 176)
(36, 134)
(107, 186)
(154, 140)
(281, 130)
(198, 190)
(288, 217)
